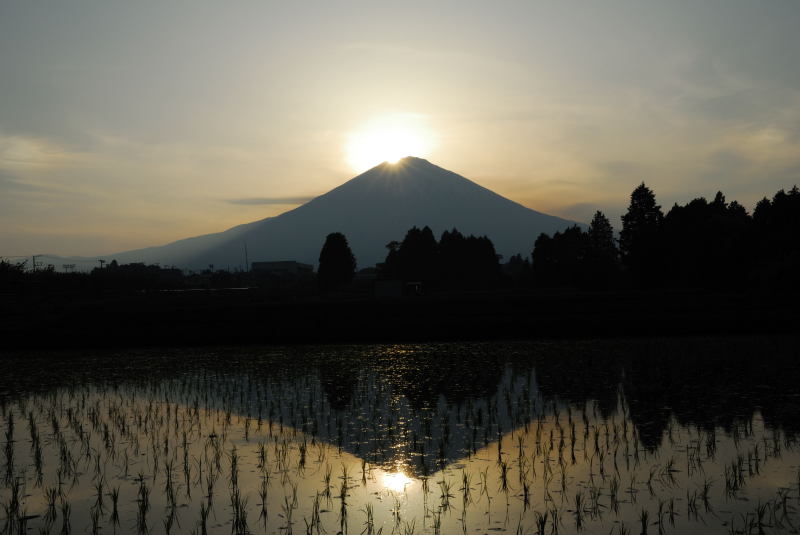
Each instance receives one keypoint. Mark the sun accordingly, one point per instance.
(388, 139)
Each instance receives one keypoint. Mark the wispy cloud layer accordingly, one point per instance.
(270, 200)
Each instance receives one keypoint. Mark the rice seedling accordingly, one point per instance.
(705, 494)
(204, 511)
(239, 516)
(644, 518)
(99, 495)
(114, 494)
(503, 476)
(288, 508)
(540, 520)
(526, 492)
(578, 510)
(369, 522)
(555, 520)
(466, 486)
(760, 516)
(95, 518)
(66, 511)
(613, 493)
(143, 501)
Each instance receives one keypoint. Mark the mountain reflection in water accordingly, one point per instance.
(683, 435)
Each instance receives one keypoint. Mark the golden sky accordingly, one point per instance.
(129, 124)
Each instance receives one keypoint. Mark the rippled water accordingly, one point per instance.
(681, 436)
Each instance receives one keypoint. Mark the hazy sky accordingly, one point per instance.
(128, 124)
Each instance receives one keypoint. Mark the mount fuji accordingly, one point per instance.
(371, 210)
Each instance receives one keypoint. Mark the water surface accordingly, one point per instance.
(663, 436)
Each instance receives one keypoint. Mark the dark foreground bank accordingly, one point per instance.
(141, 319)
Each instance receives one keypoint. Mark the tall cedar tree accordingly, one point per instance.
(601, 236)
(639, 239)
(337, 265)
(602, 255)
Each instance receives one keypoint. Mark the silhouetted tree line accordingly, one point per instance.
(700, 244)
(455, 261)
(577, 257)
(15, 277)
(138, 276)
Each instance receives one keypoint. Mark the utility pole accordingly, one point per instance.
(102, 262)
(246, 260)
(34, 261)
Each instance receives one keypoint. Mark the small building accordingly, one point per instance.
(283, 268)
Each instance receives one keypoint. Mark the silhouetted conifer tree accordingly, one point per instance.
(337, 265)
(453, 258)
(390, 268)
(639, 239)
(483, 264)
(417, 256)
(777, 236)
(601, 236)
(601, 255)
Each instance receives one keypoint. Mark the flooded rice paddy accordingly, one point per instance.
(675, 436)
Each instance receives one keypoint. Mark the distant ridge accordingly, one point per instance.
(372, 209)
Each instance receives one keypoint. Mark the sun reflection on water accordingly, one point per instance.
(396, 481)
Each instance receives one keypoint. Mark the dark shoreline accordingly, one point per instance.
(249, 317)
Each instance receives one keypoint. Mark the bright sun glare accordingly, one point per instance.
(396, 481)
(388, 139)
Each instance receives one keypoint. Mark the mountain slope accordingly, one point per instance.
(372, 209)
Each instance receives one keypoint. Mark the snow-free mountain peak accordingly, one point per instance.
(371, 209)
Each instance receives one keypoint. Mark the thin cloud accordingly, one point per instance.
(269, 200)
(27, 150)
(10, 184)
